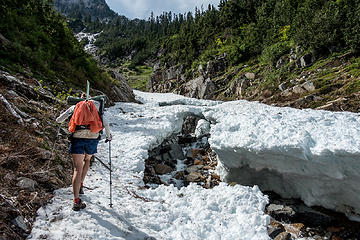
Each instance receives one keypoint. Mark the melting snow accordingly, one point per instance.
(301, 153)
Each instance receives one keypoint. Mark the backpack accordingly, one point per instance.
(86, 114)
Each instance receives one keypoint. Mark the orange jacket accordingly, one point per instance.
(85, 113)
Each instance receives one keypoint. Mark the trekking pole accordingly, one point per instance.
(110, 173)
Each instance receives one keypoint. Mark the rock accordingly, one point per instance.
(250, 76)
(305, 60)
(197, 151)
(194, 177)
(201, 69)
(216, 66)
(180, 175)
(275, 228)
(121, 92)
(186, 139)
(282, 61)
(189, 125)
(189, 154)
(44, 154)
(286, 93)
(166, 157)
(296, 228)
(200, 88)
(156, 78)
(308, 86)
(10, 177)
(26, 183)
(19, 221)
(282, 86)
(162, 169)
(172, 73)
(202, 128)
(215, 176)
(176, 152)
(157, 66)
(298, 89)
(311, 217)
(283, 236)
(198, 162)
(194, 168)
(209, 168)
(280, 212)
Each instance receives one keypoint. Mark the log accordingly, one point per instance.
(11, 109)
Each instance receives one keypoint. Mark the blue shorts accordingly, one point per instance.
(82, 146)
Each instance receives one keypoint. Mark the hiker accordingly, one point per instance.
(84, 141)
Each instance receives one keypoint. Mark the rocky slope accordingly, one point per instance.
(297, 80)
(33, 149)
(94, 8)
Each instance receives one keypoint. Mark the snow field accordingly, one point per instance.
(309, 154)
(163, 213)
(313, 155)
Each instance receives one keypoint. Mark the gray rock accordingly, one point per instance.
(121, 92)
(277, 211)
(194, 177)
(165, 157)
(19, 221)
(308, 86)
(10, 177)
(298, 89)
(306, 60)
(282, 86)
(281, 62)
(172, 73)
(176, 152)
(157, 66)
(201, 69)
(250, 76)
(207, 90)
(312, 217)
(194, 168)
(26, 183)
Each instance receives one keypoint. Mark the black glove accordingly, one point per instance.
(108, 139)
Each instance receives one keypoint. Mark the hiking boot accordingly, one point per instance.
(79, 205)
(81, 191)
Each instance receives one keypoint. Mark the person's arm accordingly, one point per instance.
(65, 115)
(107, 128)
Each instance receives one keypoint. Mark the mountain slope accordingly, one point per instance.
(95, 9)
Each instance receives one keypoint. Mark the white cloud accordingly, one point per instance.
(143, 8)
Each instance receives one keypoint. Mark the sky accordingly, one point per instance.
(142, 8)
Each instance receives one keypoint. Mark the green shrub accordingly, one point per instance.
(272, 53)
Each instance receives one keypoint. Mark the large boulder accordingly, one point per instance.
(121, 92)
(200, 88)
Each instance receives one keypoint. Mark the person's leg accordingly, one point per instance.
(78, 169)
(90, 149)
(86, 166)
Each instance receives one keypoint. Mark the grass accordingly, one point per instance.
(139, 78)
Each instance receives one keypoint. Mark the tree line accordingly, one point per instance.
(243, 29)
(35, 39)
